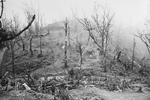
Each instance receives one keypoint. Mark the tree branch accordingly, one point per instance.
(2, 8)
(14, 36)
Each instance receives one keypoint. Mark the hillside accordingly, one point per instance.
(91, 58)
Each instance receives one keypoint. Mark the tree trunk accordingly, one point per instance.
(13, 58)
(2, 52)
(81, 54)
(81, 60)
(40, 45)
(23, 44)
(30, 48)
(133, 53)
(66, 42)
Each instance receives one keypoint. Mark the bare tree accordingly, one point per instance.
(39, 33)
(30, 42)
(35, 32)
(102, 27)
(30, 30)
(133, 53)
(145, 38)
(12, 57)
(21, 38)
(13, 27)
(99, 29)
(66, 44)
(80, 50)
(6, 35)
(20, 41)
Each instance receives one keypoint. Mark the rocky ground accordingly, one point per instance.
(88, 93)
(99, 84)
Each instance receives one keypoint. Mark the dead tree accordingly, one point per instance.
(30, 46)
(66, 44)
(15, 28)
(39, 34)
(145, 38)
(35, 32)
(80, 50)
(31, 32)
(81, 54)
(6, 35)
(133, 54)
(23, 43)
(99, 29)
(12, 57)
(102, 26)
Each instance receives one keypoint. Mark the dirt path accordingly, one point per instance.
(123, 96)
(107, 95)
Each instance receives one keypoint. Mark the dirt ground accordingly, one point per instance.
(91, 93)
(99, 94)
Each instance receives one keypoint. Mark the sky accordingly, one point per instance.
(131, 13)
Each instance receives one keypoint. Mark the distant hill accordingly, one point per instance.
(58, 33)
(57, 26)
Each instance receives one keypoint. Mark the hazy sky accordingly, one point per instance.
(127, 12)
